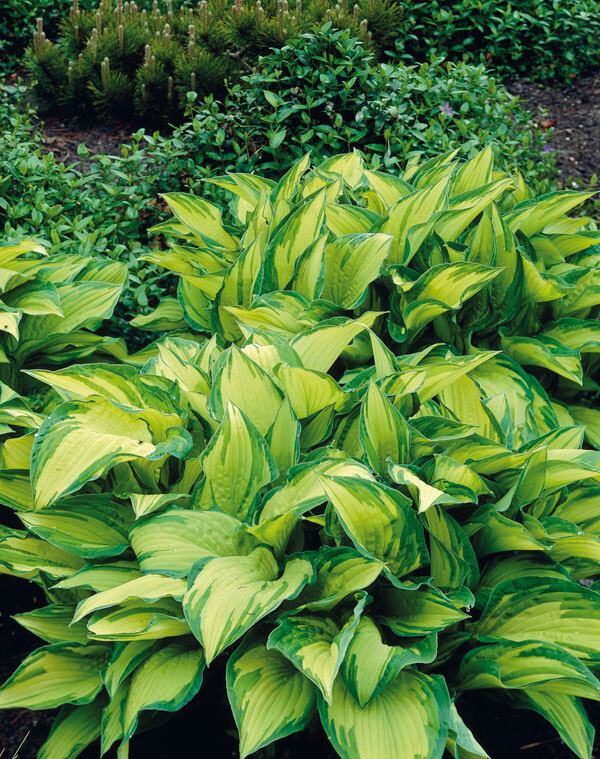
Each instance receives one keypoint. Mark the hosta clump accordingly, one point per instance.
(354, 549)
(50, 307)
(365, 515)
(454, 252)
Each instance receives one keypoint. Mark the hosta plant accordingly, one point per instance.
(50, 307)
(317, 480)
(358, 549)
(457, 253)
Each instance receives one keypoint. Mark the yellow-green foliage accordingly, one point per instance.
(343, 469)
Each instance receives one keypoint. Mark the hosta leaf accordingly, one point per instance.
(532, 216)
(309, 391)
(383, 432)
(524, 564)
(283, 437)
(171, 542)
(236, 463)
(379, 521)
(566, 714)
(527, 666)
(342, 219)
(474, 173)
(453, 560)
(291, 239)
(370, 665)
(581, 507)
(146, 503)
(178, 668)
(126, 657)
(461, 743)
(442, 288)
(501, 534)
(202, 218)
(238, 288)
(576, 334)
(350, 166)
(249, 387)
(413, 210)
(302, 492)
(310, 268)
(81, 303)
(318, 348)
(418, 612)
(269, 697)
(315, 645)
(148, 588)
(53, 624)
(36, 298)
(545, 352)
(136, 620)
(73, 729)
(340, 572)
(15, 490)
(227, 596)
(54, 675)
(423, 494)
(408, 719)
(590, 419)
(92, 526)
(81, 440)
(112, 723)
(121, 384)
(465, 207)
(548, 610)
(101, 576)
(192, 306)
(352, 262)
(388, 187)
(27, 557)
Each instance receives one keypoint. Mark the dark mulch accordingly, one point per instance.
(62, 136)
(573, 111)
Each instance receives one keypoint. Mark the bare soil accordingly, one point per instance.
(571, 114)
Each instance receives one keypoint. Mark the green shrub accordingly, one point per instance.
(17, 22)
(99, 209)
(543, 39)
(323, 92)
(338, 472)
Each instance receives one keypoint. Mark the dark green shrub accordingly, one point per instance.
(323, 92)
(196, 49)
(539, 38)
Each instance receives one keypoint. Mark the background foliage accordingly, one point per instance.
(106, 59)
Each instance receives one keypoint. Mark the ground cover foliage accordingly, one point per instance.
(361, 465)
(108, 56)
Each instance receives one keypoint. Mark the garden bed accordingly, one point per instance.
(574, 113)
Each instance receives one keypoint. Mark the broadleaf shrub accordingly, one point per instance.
(324, 91)
(355, 468)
